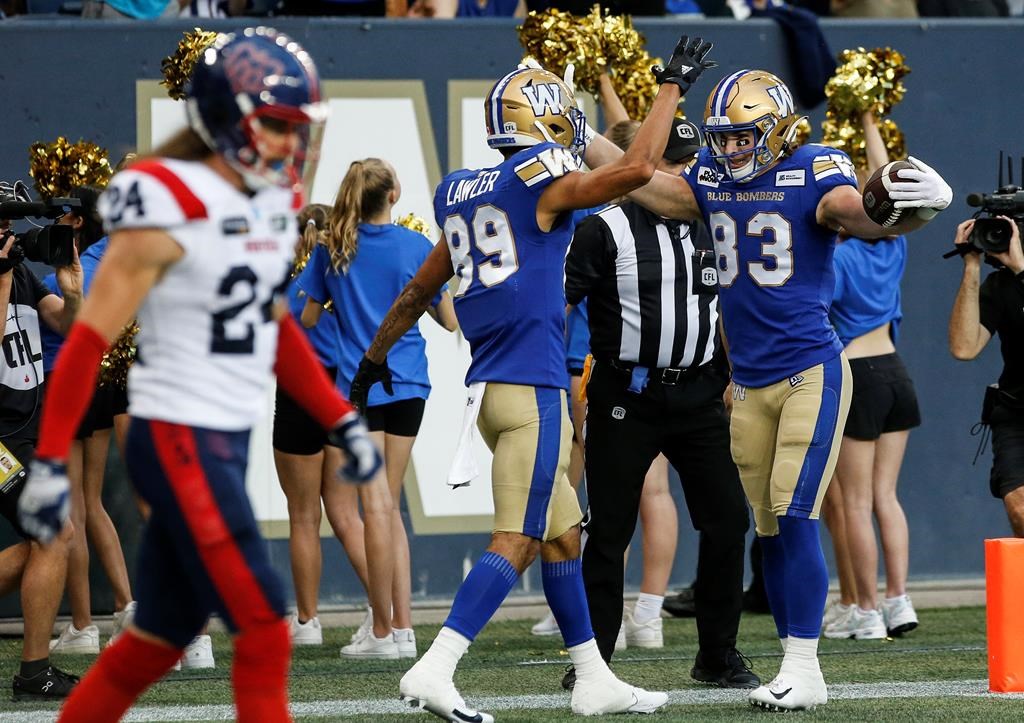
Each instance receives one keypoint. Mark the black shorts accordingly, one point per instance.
(883, 399)
(24, 451)
(107, 402)
(399, 418)
(295, 432)
(1007, 451)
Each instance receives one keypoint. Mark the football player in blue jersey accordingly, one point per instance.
(506, 231)
(773, 209)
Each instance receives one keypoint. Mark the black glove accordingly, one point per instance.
(368, 374)
(688, 61)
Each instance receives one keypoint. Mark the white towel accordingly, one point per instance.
(464, 468)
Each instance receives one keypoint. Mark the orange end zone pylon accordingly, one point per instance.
(1004, 594)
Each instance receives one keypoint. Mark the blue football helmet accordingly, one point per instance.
(248, 85)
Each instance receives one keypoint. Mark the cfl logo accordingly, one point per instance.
(618, 413)
(709, 277)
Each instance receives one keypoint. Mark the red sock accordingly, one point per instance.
(260, 673)
(119, 677)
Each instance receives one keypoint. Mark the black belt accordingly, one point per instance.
(668, 376)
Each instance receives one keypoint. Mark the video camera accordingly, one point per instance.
(991, 235)
(52, 244)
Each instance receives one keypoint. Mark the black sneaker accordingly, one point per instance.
(569, 679)
(735, 674)
(49, 684)
(681, 605)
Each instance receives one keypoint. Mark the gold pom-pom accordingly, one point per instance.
(177, 68)
(60, 166)
(867, 80)
(635, 85)
(118, 358)
(848, 136)
(414, 223)
(556, 38)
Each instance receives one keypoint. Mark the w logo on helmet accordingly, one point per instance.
(783, 99)
(544, 98)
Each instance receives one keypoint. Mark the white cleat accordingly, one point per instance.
(611, 695)
(791, 691)
(438, 696)
(547, 626)
(643, 635)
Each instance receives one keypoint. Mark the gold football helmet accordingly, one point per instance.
(756, 101)
(531, 106)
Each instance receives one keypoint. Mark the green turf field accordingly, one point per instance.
(937, 673)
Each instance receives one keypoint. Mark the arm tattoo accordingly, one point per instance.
(408, 307)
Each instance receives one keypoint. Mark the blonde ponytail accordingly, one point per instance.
(362, 195)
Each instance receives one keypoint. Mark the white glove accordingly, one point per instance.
(45, 502)
(924, 189)
(362, 458)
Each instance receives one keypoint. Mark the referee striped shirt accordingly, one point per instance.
(651, 285)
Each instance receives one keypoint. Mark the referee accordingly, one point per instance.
(656, 387)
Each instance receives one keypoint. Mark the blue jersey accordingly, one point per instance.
(387, 258)
(867, 293)
(323, 336)
(511, 297)
(90, 260)
(774, 261)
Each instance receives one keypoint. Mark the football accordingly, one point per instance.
(879, 207)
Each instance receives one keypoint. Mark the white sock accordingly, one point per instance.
(587, 660)
(446, 651)
(894, 600)
(401, 630)
(783, 642)
(801, 653)
(647, 608)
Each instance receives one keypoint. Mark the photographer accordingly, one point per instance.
(981, 310)
(25, 303)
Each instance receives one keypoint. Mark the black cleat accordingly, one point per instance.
(681, 605)
(569, 679)
(49, 684)
(735, 674)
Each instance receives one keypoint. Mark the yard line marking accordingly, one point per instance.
(692, 696)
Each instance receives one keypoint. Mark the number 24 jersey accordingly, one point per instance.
(511, 294)
(774, 261)
(207, 339)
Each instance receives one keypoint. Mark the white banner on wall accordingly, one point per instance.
(389, 120)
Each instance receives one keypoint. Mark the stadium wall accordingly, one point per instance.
(97, 80)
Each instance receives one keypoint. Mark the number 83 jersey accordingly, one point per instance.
(774, 261)
(207, 340)
(511, 294)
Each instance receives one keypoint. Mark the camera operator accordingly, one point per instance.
(980, 311)
(25, 304)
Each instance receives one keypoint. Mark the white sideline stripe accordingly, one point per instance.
(697, 696)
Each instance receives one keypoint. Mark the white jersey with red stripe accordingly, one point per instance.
(207, 341)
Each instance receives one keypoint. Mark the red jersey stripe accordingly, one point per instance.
(190, 204)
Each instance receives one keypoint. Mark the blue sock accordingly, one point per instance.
(480, 594)
(806, 576)
(773, 562)
(563, 587)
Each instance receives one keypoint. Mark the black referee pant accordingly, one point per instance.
(625, 432)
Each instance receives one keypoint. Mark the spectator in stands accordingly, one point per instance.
(616, 7)
(361, 8)
(467, 8)
(362, 266)
(306, 465)
(129, 9)
(40, 570)
(963, 8)
(866, 314)
(88, 462)
(874, 8)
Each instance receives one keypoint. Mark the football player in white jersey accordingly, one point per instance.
(201, 240)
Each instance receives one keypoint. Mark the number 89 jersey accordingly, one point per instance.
(774, 261)
(207, 341)
(511, 293)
